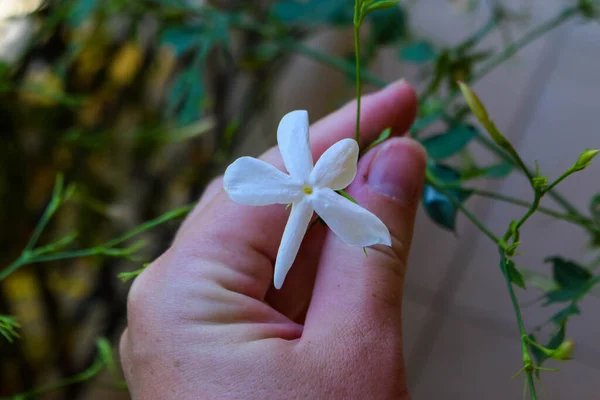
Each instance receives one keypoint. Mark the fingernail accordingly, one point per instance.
(398, 168)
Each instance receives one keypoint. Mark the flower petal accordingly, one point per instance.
(355, 225)
(336, 168)
(292, 137)
(294, 232)
(256, 183)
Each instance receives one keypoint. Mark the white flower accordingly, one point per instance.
(254, 182)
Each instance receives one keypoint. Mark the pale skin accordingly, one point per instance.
(205, 322)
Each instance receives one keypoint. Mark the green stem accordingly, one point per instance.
(531, 384)
(480, 34)
(48, 213)
(532, 209)
(358, 80)
(526, 39)
(561, 178)
(512, 200)
(520, 324)
(86, 375)
(514, 48)
(430, 179)
(557, 197)
(334, 62)
(107, 249)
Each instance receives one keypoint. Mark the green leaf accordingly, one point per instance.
(555, 341)
(182, 38)
(563, 315)
(382, 138)
(382, 5)
(515, 275)
(447, 144)
(186, 96)
(595, 208)
(388, 25)
(418, 52)
(497, 171)
(568, 274)
(437, 205)
(105, 351)
(8, 328)
(538, 281)
(443, 65)
(127, 276)
(82, 10)
(312, 12)
(562, 296)
(347, 196)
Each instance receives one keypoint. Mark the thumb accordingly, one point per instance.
(351, 288)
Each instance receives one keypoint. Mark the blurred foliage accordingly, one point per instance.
(136, 104)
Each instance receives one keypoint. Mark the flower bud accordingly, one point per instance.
(564, 351)
(474, 103)
(585, 159)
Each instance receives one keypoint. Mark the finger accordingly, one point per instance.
(211, 191)
(124, 355)
(351, 288)
(247, 238)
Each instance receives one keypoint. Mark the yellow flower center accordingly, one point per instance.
(307, 190)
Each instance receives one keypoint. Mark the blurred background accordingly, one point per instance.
(136, 104)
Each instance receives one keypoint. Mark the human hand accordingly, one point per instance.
(204, 320)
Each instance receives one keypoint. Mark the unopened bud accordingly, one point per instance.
(564, 351)
(585, 159)
(474, 103)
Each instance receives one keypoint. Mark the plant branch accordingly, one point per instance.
(584, 223)
(478, 224)
(557, 197)
(107, 249)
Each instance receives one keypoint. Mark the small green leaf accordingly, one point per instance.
(447, 144)
(105, 352)
(382, 5)
(437, 205)
(568, 274)
(313, 12)
(562, 316)
(182, 38)
(538, 281)
(127, 276)
(388, 25)
(515, 275)
(8, 328)
(418, 52)
(81, 11)
(595, 208)
(382, 138)
(186, 96)
(347, 196)
(562, 296)
(497, 171)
